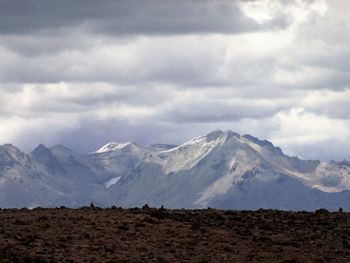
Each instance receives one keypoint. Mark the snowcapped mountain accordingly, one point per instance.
(221, 169)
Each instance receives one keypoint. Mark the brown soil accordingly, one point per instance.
(159, 235)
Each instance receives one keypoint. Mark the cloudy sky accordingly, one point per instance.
(85, 72)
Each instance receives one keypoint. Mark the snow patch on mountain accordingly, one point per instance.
(112, 181)
(221, 169)
(188, 154)
(112, 146)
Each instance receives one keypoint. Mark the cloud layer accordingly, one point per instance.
(82, 74)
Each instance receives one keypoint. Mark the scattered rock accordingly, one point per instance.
(92, 234)
(322, 211)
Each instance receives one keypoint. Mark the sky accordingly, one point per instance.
(83, 72)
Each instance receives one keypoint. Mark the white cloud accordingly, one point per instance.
(299, 127)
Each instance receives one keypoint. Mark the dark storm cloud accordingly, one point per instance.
(94, 133)
(213, 112)
(34, 45)
(125, 16)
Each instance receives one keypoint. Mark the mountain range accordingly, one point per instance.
(221, 170)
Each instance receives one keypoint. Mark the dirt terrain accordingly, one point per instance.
(92, 234)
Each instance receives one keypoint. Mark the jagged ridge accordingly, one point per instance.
(221, 169)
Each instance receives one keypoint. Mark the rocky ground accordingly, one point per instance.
(92, 234)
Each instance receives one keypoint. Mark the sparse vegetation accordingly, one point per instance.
(163, 235)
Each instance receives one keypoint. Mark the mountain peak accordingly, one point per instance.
(214, 135)
(13, 151)
(264, 143)
(44, 156)
(41, 150)
(114, 146)
(9, 154)
(218, 133)
(231, 134)
(10, 147)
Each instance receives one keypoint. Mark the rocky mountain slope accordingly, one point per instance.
(221, 169)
